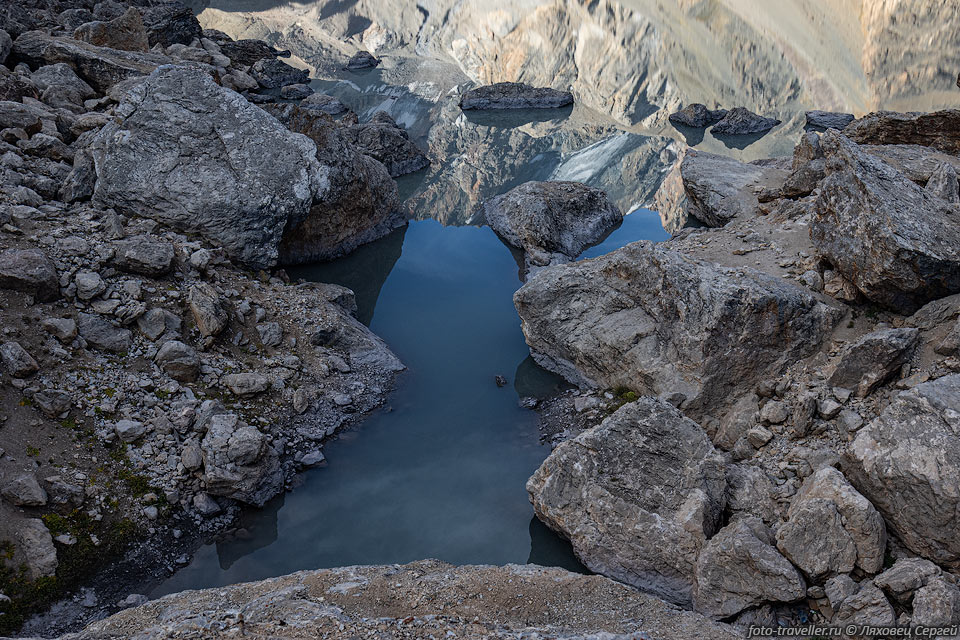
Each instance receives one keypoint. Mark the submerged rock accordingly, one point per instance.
(552, 222)
(907, 463)
(899, 245)
(650, 319)
(638, 496)
(740, 121)
(514, 95)
(697, 115)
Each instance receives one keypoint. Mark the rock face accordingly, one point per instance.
(714, 187)
(831, 529)
(514, 95)
(552, 222)
(906, 463)
(637, 496)
(740, 121)
(828, 119)
(899, 245)
(740, 568)
(652, 320)
(871, 360)
(697, 115)
(939, 129)
(30, 271)
(200, 158)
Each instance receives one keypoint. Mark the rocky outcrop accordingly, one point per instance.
(740, 122)
(200, 158)
(421, 599)
(906, 463)
(899, 245)
(832, 529)
(939, 129)
(638, 496)
(514, 95)
(650, 319)
(740, 568)
(828, 119)
(551, 222)
(171, 22)
(697, 116)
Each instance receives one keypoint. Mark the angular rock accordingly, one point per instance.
(939, 129)
(943, 184)
(362, 60)
(254, 481)
(129, 430)
(829, 119)
(868, 606)
(326, 104)
(6, 44)
(873, 359)
(15, 87)
(907, 463)
(740, 568)
(156, 322)
(125, 32)
(271, 73)
(36, 544)
(246, 384)
(80, 183)
(202, 159)
(89, 284)
(897, 244)
(178, 360)
(552, 222)
(715, 189)
(936, 604)
(14, 115)
(170, 23)
(207, 310)
(912, 160)
(30, 271)
(697, 116)
(514, 95)
(655, 321)
(749, 492)
(902, 580)
(295, 91)
(638, 496)
(206, 505)
(63, 329)
(101, 334)
(23, 490)
(61, 86)
(144, 255)
(831, 528)
(245, 53)
(53, 402)
(16, 361)
(389, 144)
(740, 121)
(271, 333)
(191, 457)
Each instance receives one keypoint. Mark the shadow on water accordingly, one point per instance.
(741, 141)
(513, 118)
(547, 549)
(691, 135)
(533, 381)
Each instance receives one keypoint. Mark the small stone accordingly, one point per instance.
(200, 259)
(829, 408)
(16, 361)
(813, 280)
(30, 271)
(178, 360)
(24, 490)
(63, 329)
(133, 600)
(759, 436)
(775, 412)
(89, 285)
(271, 334)
(53, 402)
(151, 512)
(342, 399)
(191, 458)
(246, 384)
(205, 504)
(129, 430)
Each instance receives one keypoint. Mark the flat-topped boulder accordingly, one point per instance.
(648, 318)
(938, 129)
(552, 222)
(514, 95)
(828, 119)
(697, 115)
(740, 121)
(637, 496)
(897, 243)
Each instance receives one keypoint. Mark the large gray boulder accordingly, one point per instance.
(907, 463)
(238, 462)
(638, 496)
(200, 158)
(653, 320)
(740, 568)
(551, 222)
(740, 121)
(832, 529)
(898, 244)
(514, 95)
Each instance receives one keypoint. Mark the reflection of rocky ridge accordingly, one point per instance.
(633, 58)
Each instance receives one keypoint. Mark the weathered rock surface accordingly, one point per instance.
(170, 23)
(362, 60)
(40, 556)
(912, 160)
(179, 360)
(899, 245)
(902, 580)
(936, 604)
(650, 319)
(30, 271)
(207, 310)
(552, 222)
(385, 141)
(125, 32)
(740, 121)
(238, 462)
(714, 189)
(740, 568)
(16, 361)
(414, 600)
(144, 255)
(514, 95)
(873, 359)
(23, 490)
(102, 334)
(867, 606)
(324, 103)
(906, 463)
(939, 129)
(274, 74)
(828, 119)
(697, 115)
(200, 158)
(831, 528)
(637, 496)
(61, 86)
